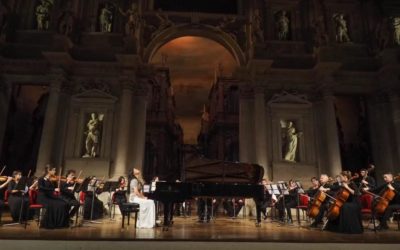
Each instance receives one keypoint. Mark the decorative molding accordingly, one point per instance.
(286, 97)
(93, 84)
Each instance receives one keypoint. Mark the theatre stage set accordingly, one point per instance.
(299, 88)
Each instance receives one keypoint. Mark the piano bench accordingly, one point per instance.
(127, 209)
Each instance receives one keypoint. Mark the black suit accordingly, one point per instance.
(394, 204)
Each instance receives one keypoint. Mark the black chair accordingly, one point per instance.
(127, 209)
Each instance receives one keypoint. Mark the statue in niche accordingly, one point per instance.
(319, 35)
(396, 30)
(133, 23)
(290, 141)
(43, 15)
(106, 18)
(93, 135)
(66, 21)
(258, 33)
(282, 25)
(342, 33)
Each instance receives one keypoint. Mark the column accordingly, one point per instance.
(260, 130)
(125, 116)
(139, 109)
(246, 125)
(46, 148)
(395, 117)
(334, 165)
(5, 94)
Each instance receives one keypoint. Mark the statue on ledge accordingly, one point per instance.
(290, 142)
(93, 136)
(43, 15)
(282, 25)
(132, 25)
(258, 33)
(106, 18)
(342, 33)
(396, 29)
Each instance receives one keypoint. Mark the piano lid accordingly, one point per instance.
(223, 172)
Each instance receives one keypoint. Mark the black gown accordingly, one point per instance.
(349, 220)
(69, 197)
(15, 201)
(120, 198)
(56, 215)
(98, 206)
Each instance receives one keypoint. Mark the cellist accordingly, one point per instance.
(325, 186)
(394, 204)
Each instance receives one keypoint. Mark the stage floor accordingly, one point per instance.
(188, 229)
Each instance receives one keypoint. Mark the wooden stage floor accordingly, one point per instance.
(188, 229)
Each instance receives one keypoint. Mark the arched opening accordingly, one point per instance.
(194, 63)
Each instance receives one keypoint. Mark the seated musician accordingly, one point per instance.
(147, 210)
(203, 212)
(325, 186)
(18, 200)
(314, 187)
(8, 180)
(349, 217)
(288, 202)
(233, 206)
(68, 193)
(120, 192)
(394, 204)
(56, 215)
(92, 190)
(267, 201)
(364, 180)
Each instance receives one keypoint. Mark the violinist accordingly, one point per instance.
(56, 215)
(120, 193)
(393, 205)
(288, 202)
(325, 187)
(92, 189)
(364, 180)
(17, 200)
(6, 181)
(349, 218)
(68, 193)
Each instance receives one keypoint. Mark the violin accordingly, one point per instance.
(3, 178)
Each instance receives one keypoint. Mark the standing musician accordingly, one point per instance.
(288, 201)
(394, 204)
(17, 200)
(364, 180)
(325, 186)
(56, 215)
(7, 180)
(344, 214)
(68, 193)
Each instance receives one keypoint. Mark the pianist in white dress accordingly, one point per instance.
(147, 210)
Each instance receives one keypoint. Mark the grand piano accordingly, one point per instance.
(212, 179)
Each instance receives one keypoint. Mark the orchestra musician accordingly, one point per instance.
(233, 206)
(325, 186)
(56, 215)
(349, 217)
(364, 180)
(147, 212)
(7, 180)
(120, 193)
(393, 205)
(288, 201)
(17, 200)
(314, 187)
(267, 201)
(68, 193)
(91, 191)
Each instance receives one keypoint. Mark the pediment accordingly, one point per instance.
(289, 98)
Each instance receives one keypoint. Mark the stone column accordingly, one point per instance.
(46, 148)
(124, 122)
(331, 135)
(395, 115)
(5, 93)
(246, 125)
(260, 128)
(139, 109)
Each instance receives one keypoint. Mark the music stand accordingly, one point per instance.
(110, 186)
(21, 186)
(85, 186)
(284, 191)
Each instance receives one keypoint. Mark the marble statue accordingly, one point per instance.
(132, 25)
(43, 15)
(342, 33)
(291, 141)
(106, 18)
(93, 135)
(164, 20)
(396, 30)
(282, 25)
(258, 33)
(66, 23)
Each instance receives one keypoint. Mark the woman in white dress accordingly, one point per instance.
(147, 210)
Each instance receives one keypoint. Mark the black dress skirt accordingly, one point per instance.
(18, 203)
(97, 211)
(56, 215)
(349, 220)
